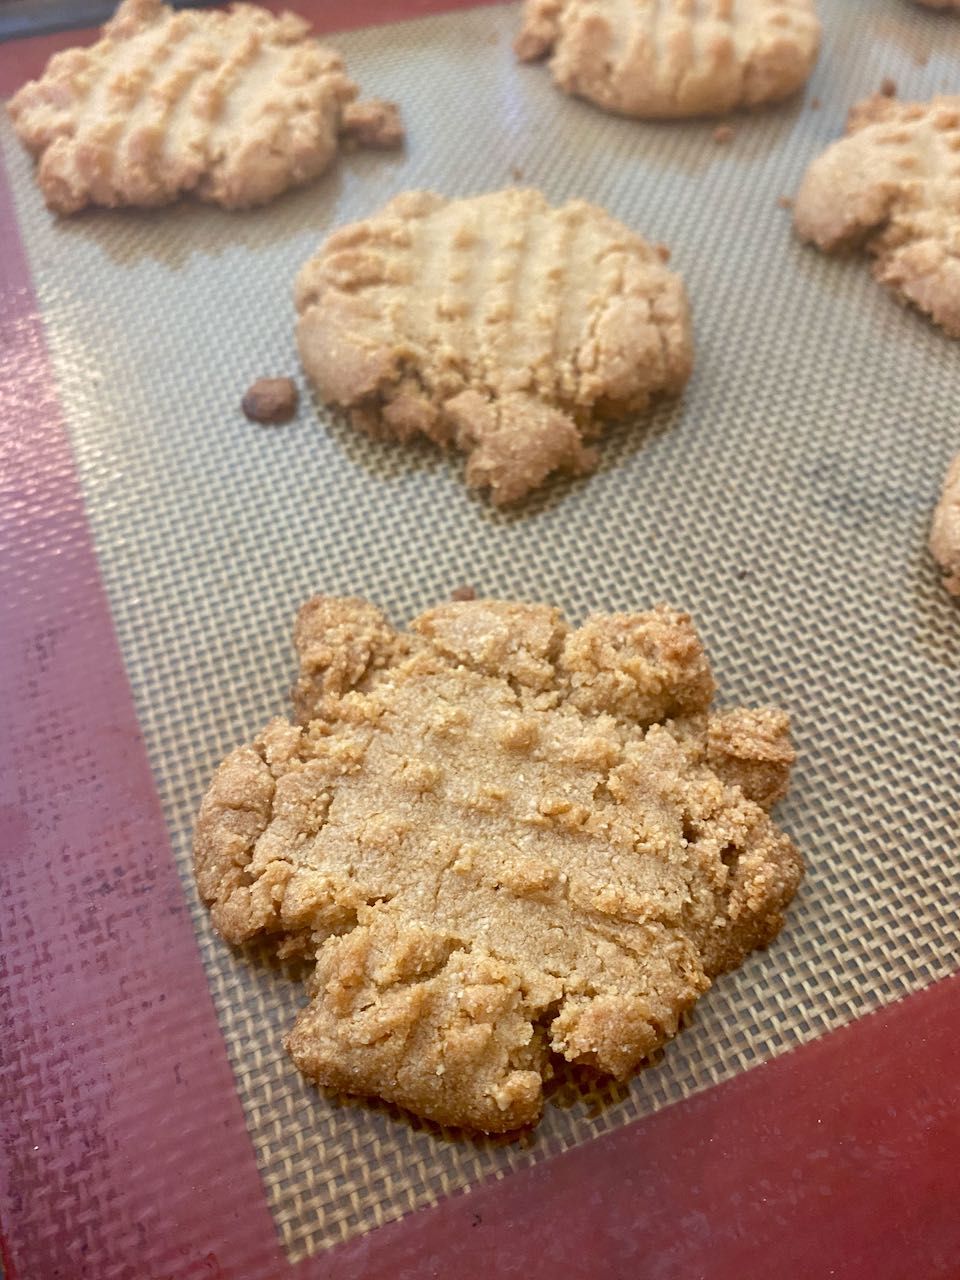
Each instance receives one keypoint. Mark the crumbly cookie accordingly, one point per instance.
(893, 185)
(496, 324)
(232, 107)
(945, 530)
(670, 58)
(500, 838)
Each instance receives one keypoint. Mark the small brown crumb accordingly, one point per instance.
(888, 87)
(921, 59)
(662, 251)
(814, 104)
(463, 593)
(723, 134)
(945, 530)
(373, 123)
(785, 202)
(516, 173)
(271, 400)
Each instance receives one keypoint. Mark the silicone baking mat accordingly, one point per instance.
(158, 545)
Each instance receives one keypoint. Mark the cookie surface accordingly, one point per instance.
(500, 838)
(945, 529)
(232, 107)
(496, 324)
(671, 58)
(893, 185)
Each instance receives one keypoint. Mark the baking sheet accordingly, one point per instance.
(785, 501)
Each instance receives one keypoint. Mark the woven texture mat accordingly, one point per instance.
(785, 502)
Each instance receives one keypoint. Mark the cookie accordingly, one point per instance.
(497, 324)
(892, 185)
(669, 58)
(231, 107)
(945, 530)
(500, 838)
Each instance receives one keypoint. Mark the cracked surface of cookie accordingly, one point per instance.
(500, 837)
(672, 58)
(497, 324)
(892, 185)
(945, 530)
(231, 107)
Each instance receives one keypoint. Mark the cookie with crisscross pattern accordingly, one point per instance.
(233, 107)
(892, 185)
(668, 58)
(500, 838)
(496, 324)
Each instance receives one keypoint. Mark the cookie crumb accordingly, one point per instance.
(921, 59)
(723, 134)
(271, 400)
(663, 252)
(785, 202)
(945, 530)
(373, 123)
(814, 104)
(516, 173)
(463, 593)
(888, 87)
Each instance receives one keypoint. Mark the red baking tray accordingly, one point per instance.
(126, 1153)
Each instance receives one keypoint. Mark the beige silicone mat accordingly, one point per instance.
(785, 502)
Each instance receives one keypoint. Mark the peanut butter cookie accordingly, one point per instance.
(893, 185)
(500, 838)
(669, 58)
(496, 324)
(232, 107)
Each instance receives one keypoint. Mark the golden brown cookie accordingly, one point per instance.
(945, 530)
(669, 58)
(500, 838)
(231, 107)
(496, 324)
(892, 185)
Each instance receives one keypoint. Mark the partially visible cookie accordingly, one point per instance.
(892, 185)
(499, 837)
(231, 107)
(496, 324)
(669, 58)
(945, 530)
